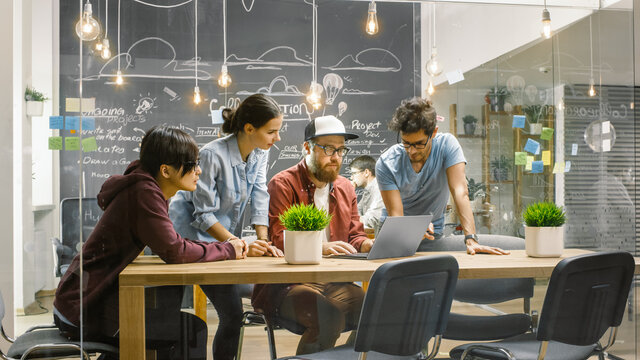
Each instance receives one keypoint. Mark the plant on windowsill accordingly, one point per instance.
(35, 101)
(533, 114)
(500, 168)
(496, 97)
(304, 225)
(469, 124)
(544, 229)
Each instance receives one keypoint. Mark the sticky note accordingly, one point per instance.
(574, 149)
(88, 123)
(567, 166)
(454, 76)
(72, 105)
(521, 158)
(72, 123)
(89, 144)
(71, 143)
(606, 127)
(88, 104)
(536, 167)
(216, 117)
(518, 121)
(532, 146)
(55, 143)
(547, 133)
(56, 122)
(546, 158)
(529, 163)
(558, 167)
(606, 145)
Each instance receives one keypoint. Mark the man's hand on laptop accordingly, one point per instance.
(337, 248)
(429, 233)
(366, 246)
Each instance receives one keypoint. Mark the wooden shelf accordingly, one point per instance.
(470, 136)
(501, 182)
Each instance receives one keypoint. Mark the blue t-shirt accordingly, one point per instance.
(426, 192)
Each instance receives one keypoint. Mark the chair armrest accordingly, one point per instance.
(5, 336)
(38, 327)
(495, 349)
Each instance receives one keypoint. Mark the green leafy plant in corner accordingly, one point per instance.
(501, 162)
(499, 92)
(469, 119)
(533, 113)
(474, 188)
(303, 217)
(544, 214)
(31, 94)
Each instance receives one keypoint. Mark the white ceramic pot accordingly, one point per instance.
(535, 129)
(303, 247)
(544, 241)
(34, 108)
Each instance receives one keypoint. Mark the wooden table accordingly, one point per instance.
(151, 271)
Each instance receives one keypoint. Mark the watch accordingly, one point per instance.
(470, 236)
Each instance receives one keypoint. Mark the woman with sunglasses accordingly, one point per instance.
(234, 171)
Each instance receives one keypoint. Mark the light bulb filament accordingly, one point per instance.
(224, 80)
(196, 95)
(372, 19)
(119, 79)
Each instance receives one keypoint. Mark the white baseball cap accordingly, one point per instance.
(326, 125)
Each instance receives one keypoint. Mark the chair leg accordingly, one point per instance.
(272, 340)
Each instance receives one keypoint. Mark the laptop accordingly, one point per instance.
(399, 236)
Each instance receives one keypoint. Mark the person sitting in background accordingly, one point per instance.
(136, 215)
(324, 309)
(370, 205)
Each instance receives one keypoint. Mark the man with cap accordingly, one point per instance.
(323, 309)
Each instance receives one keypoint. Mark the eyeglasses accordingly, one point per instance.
(417, 145)
(329, 150)
(356, 172)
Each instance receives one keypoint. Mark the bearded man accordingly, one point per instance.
(323, 309)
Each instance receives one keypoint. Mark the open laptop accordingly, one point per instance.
(399, 236)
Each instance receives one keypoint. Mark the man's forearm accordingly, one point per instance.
(465, 214)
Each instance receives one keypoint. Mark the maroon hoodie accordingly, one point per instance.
(135, 216)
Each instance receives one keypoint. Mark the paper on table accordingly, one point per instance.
(536, 167)
(558, 167)
(518, 121)
(55, 143)
(521, 158)
(71, 143)
(546, 157)
(529, 163)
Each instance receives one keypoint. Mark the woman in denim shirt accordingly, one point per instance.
(234, 170)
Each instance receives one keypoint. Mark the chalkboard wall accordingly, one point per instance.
(269, 50)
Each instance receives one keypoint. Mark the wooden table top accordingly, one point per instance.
(150, 270)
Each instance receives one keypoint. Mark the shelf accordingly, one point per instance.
(501, 182)
(465, 136)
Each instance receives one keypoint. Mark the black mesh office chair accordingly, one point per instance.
(45, 341)
(406, 305)
(484, 292)
(587, 295)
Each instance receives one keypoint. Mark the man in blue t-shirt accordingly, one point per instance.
(416, 175)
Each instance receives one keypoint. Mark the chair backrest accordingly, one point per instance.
(407, 303)
(587, 294)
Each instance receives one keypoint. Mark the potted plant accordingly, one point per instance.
(544, 230)
(500, 168)
(469, 124)
(533, 114)
(303, 235)
(35, 101)
(497, 96)
(476, 194)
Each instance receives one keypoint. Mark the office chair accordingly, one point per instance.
(586, 296)
(406, 305)
(483, 292)
(45, 341)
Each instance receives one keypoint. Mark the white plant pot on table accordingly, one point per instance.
(544, 241)
(303, 247)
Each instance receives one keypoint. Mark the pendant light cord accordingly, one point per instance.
(195, 29)
(119, 35)
(224, 31)
(106, 18)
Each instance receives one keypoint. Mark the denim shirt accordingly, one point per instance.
(223, 191)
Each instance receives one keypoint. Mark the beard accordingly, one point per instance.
(323, 174)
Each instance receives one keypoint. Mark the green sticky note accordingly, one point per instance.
(547, 133)
(72, 143)
(55, 143)
(89, 144)
(521, 158)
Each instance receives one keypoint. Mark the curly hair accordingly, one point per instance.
(413, 115)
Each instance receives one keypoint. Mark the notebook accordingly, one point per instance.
(399, 236)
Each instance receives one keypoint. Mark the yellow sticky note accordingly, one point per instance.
(529, 163)
(72, 104)
(88, 104)
(558, 167)
(546, 158)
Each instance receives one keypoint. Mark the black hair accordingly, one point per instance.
(413, 115)
(169, 146)
(364, 162)
(256, 110)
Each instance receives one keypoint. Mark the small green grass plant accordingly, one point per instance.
(544, 214)
(303, 217)
(31, 94)
(469, 119)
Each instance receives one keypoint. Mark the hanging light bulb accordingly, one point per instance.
(119, 79)
(196, 95)
(592, 88)
(372, 19)
(106, 51)
(314, 97)
(98, 46)
(546, 23)
(433, 65)
(430, 88)
(87, 28)
(224, 80)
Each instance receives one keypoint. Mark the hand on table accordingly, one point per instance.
(473, 248)
(264, 248)
(337, 248)
(429, 233)
(366, 245)
(240, 246)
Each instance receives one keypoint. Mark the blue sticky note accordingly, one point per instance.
(72, 123)
(518, 121)
(56, 122)
(536, 167)
(88, 123)
(532, 146)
